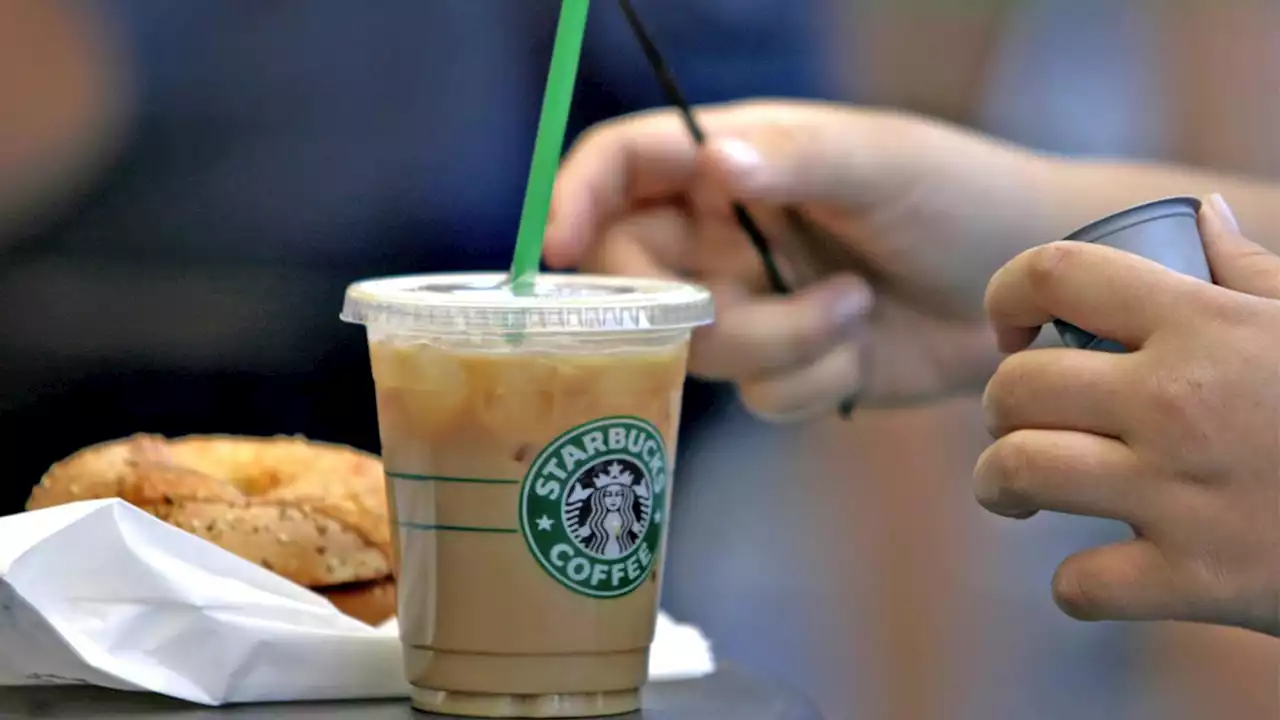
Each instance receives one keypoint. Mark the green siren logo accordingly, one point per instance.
(592, 505)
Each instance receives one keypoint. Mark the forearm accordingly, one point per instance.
(64, 106)
(1091, 189)
(1087, 190)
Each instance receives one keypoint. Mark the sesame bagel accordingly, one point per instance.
(315, 513)
(371, 602)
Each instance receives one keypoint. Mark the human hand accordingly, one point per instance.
(1179, 438)
(888, 224)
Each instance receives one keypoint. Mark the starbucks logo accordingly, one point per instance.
(592, 505)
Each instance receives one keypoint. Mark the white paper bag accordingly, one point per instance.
(101, 593)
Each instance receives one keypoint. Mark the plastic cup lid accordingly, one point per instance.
(482, 303)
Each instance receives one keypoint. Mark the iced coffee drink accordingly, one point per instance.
(529, 445)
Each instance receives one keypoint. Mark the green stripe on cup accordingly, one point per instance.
(425, 527)
(443, 479)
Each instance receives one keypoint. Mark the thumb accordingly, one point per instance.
(1236, 262)
(861, 158)
(774, 164)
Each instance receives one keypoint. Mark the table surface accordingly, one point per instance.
(729, 694)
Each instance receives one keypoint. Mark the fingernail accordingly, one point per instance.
(1218, 205)
(739, 155)
(851, 307)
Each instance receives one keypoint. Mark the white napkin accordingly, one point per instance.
(101, 593)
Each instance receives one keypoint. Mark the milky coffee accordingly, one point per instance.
(529, 458)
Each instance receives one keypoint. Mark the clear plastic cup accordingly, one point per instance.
(529, 444)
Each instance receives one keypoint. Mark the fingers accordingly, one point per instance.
(1236, 262)
(787, 162)
(808, 391)
(653, 243)
(1060, 471)
(1111, 293)
(760, 151)
(782, 348)
(663, 241)
(1124, 581)
(614, 166)
(773, 335)
(1059, 389)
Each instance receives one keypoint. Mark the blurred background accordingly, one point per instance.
(187, 187)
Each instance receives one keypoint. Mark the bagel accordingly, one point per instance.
(372, 602)
(315, 513)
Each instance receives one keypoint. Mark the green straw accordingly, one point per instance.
(549, 143)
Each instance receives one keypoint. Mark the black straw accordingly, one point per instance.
(667, 80)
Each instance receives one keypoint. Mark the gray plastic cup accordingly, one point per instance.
(1163, 231)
